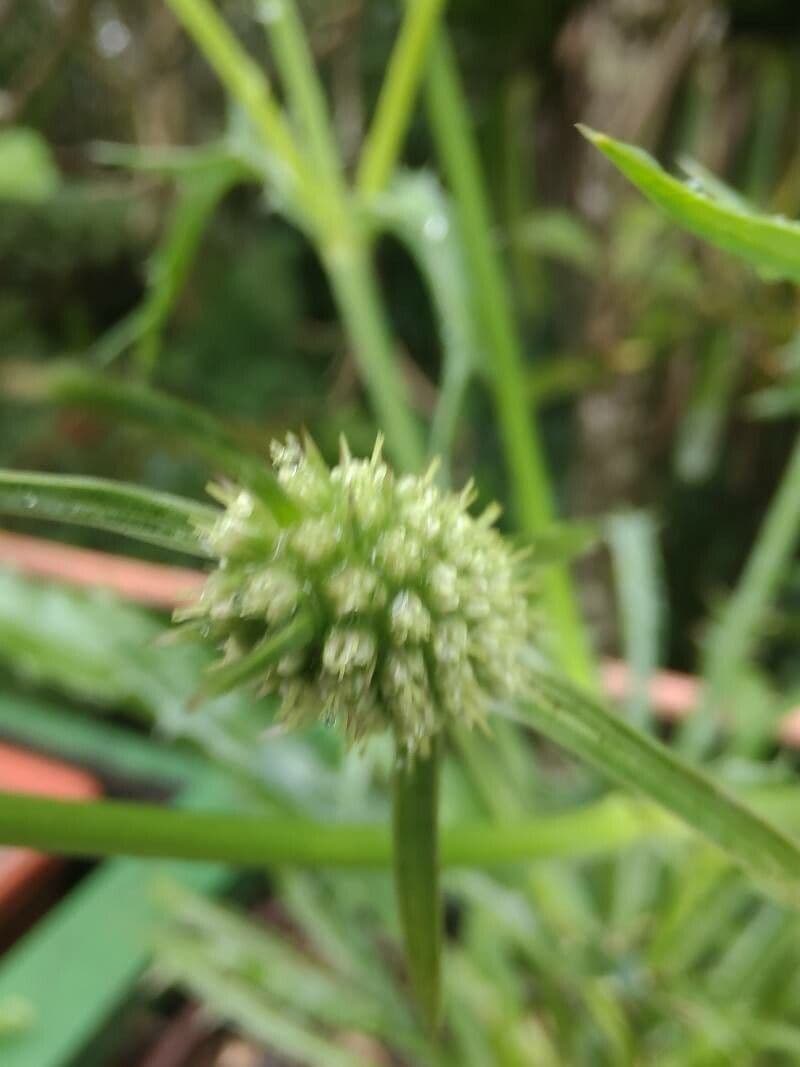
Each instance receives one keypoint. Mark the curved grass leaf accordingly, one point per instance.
(142, 514)
(770, 243)
(593, 733)
(171, 417)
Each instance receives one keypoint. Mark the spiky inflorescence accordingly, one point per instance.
(418, 610)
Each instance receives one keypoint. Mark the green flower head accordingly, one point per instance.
(413, 612)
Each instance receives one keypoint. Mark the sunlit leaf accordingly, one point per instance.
(768, 242)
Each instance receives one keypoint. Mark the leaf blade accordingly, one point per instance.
(587, 729)
(142, 514)
(768, 242)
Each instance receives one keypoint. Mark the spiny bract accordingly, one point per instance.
(418, 610)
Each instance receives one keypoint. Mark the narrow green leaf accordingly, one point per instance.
(735, 637)
(198, 195)
(294, 635)
(234, 997)
(171, 161)
(593, 733)
(395, 106)
(115, 828)
(633, 540)
(142, 514)
(768, 242)
(416, 873)
(174, 418)
(454, 137)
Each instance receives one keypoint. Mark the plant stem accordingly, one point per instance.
(416, 875)
(247, 85)
(344, 246)
(459, 156)
(296, 66)
(110, 828)
(396, 100)
(359, 301)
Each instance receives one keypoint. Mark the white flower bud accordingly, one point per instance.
(409, 619)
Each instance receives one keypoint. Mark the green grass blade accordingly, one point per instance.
(237, 999)
(456, 146)
(175, 419)
(396, 100)
(142, 514)
(416, 873)
(769, 243)
(293, 636)
(633, 540)
(304, 90)
(593, 733)
(110, 828)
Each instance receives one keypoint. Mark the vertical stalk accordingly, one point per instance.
(296, 67)
(245, 81)
(356, 292)
(344, 246)
(396, 99)
(416, 873)
(459, 156)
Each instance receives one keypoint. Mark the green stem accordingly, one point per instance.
(455, 143)
(247, 85)
(359, 301)
(114, 828)
(416, 875)
(396, 101)
(344, 246)
(296, 66)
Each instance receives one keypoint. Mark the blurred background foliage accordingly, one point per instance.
(641, 343)
(665, 376)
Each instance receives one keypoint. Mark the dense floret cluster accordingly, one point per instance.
(417, 610)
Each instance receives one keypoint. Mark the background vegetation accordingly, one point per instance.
(663, 376)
